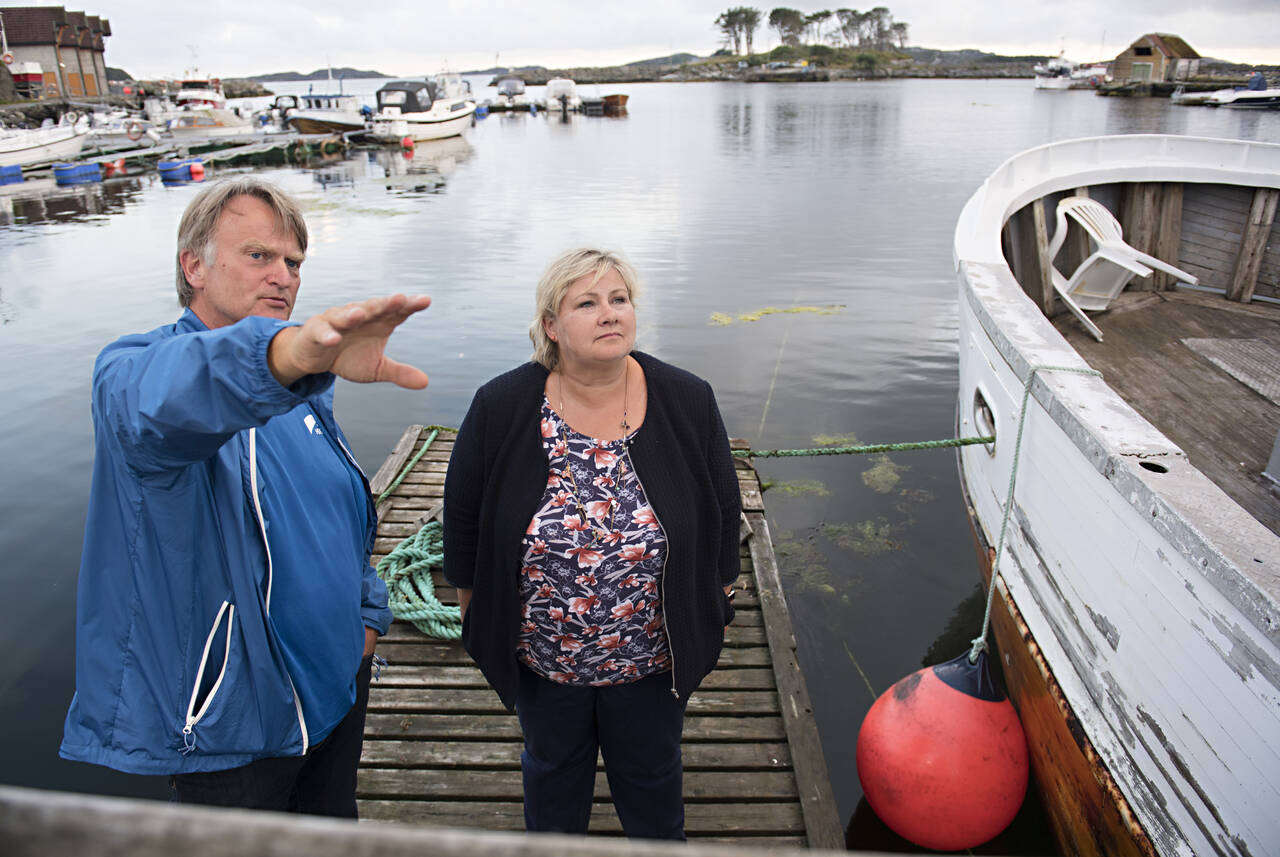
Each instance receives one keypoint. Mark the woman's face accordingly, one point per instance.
(595, 322)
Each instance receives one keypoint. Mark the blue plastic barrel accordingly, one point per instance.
(177, 172)
(11, 175)
(66, 173)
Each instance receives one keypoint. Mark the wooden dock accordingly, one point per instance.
(440, 748)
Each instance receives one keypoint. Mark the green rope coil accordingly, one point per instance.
(407, 573)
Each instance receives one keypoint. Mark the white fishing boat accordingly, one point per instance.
(200, 93)
(411, 108)
(1131, 516)
(44, 145)
(1055, 73)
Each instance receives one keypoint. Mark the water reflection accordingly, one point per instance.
(425, 168)
(46, 202)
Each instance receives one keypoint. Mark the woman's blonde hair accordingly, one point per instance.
(564, 270)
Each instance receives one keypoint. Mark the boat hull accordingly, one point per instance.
(41, 149)
(316, 124)
(422, 126)
(1137, 609)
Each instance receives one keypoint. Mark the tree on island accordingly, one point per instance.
(738, 27)
(789, 24)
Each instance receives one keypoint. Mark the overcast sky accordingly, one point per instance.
(238, 38)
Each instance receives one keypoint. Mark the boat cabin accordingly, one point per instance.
(510, 86)
(406, 96)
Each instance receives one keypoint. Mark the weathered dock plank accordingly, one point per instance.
(441, 749)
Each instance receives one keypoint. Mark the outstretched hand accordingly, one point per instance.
(349, 341)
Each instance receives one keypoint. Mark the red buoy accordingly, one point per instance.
(406, 143)
(197, 171)
(942, 757)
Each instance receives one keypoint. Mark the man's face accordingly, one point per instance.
(255, 268)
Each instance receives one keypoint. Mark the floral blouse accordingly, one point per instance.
(591, 581)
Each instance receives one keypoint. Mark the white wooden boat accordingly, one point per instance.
(31, 146)
(1138, 591)
(411, 108)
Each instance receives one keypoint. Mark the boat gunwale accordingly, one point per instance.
(1229, 545)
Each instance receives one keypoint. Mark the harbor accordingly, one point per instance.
(787, 258)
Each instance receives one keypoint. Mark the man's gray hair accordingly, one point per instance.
(195, 231)
(564, 270)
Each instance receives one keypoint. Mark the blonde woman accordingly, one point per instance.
(591, 527)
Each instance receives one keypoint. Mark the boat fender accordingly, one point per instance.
(134, 131)
(942, 757)
(406, 143)
(114, 168)
(197, 171)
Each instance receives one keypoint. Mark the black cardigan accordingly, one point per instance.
(498, 473)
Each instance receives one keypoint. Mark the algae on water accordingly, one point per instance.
(864, 537)
(882, 477)
(798, 487)
(722, 319)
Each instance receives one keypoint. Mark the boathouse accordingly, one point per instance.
(1156, 57)
(68, 46)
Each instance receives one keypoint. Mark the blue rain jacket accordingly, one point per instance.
(215, 493)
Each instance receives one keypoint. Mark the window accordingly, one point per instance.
(1142, 51)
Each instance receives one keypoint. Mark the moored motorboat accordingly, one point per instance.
(411, 108)
(44, 145)
(616, 104)
(208, 122)
(324, 114)
(562, 94)
(1137, 577)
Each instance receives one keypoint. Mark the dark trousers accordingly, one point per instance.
(635, 726)
(323, 782)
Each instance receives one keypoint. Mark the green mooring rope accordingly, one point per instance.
(407, 572)
(861, 450)
(407, 569)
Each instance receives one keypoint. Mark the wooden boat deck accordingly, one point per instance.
(1226, 427)
(440, 748)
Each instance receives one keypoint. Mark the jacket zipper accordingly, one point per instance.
(266, 545)
(662, 587)
(193, 716)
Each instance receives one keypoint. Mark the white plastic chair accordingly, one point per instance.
(1109, 269)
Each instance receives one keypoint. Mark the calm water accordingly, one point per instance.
(729, 199)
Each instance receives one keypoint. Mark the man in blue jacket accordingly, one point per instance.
(226, 613)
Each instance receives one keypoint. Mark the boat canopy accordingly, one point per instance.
(410, 96)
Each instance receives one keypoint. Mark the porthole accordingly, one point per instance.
(1154, 467)
(984, 420)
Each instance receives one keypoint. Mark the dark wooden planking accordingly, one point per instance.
(452, 784)
(822, 822)
(698, 756)
(1226, 429)
(432, 715)
(505, 727)
(700, 819)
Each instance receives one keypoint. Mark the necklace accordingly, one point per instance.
(626, 381)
